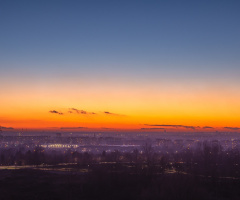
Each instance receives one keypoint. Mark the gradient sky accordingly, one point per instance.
(133, 63)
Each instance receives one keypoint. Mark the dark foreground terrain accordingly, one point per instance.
(99, 184)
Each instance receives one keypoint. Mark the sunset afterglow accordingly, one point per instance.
(126, 69)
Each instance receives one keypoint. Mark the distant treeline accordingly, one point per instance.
(207, 160)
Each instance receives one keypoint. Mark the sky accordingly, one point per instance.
(136, 65)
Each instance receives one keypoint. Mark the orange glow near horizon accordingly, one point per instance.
(128, 107)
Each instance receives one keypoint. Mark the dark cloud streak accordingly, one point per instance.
(114, 114)
(6, 128)
(73, 127)
(232, 128)
(207, 127)
(108, 113)
(173, 126)
(83, 112)
(55, 112)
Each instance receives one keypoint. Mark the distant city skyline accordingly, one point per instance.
(126, 65)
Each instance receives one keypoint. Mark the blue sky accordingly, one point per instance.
(157, 36)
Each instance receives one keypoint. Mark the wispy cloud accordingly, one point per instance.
(232, 128)
(173, 126)
(56, 112)
(6, 128)
(73, 127)
(75, 110)
(109, 113)
(83, 112)
(207, 127)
